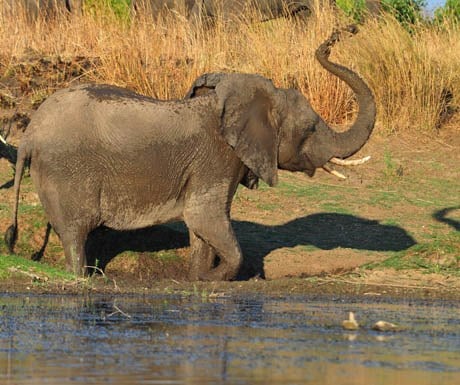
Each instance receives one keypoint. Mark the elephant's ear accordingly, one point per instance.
(249, 122)
(205, 84)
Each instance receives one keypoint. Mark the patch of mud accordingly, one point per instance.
(145, 269)
(284, 263)
(386, 285)
(29, 79)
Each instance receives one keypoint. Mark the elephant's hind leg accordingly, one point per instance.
(72, 226)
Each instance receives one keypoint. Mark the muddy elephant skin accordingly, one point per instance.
(156, 7)
(211, 10)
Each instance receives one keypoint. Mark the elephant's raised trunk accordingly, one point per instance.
(346, 143)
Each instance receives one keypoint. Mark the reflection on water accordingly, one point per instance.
(255, 340)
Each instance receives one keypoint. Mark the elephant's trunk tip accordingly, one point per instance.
(324, 49)
(352, 28)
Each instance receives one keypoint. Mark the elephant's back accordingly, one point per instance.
(78, 113)
(111, 125)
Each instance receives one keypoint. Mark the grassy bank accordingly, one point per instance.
(415, 76)
(395, 216)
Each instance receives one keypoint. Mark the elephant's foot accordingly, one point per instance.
(198, 268)
(74, 250)
(223, 272)
(202, 258)
(208, 238)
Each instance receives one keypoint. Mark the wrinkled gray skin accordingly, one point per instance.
(102, 155)
(201, 11)
(156, 7)
(210, 10)
(35, 8)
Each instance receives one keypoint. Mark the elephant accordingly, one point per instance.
(155, 7)
(47, 8)
(106, 156)
(208, 11)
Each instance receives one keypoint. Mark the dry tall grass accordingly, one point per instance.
(410, 74)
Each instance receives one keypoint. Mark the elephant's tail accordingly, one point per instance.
(23, 156)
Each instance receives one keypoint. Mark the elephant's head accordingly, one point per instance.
(271, 128)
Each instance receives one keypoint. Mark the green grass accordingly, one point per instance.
(166, 255)
(302, 191)
(269, 206)
(390, 222)
(393, 170)
(162, 255)
(334, 207)
(118, 10)
(4, 209)
(385, 199)
(30, 209)
(306, 248)
(8, 262)
(439, 254)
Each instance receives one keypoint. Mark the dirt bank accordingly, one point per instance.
(391, 228)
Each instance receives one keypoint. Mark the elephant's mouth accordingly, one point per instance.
(343, 162)
(310, 172)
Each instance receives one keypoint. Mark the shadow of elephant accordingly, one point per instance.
(441, 216)
(325, 231)
(7, 185)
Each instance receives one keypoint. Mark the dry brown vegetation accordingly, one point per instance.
(415, 77)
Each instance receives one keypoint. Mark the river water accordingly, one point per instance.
(50, 339)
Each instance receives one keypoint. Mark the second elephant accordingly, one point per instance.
(44, 8)
(156, 7)
(211, 10)
(208, 11)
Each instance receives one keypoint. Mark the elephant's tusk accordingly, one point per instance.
(349, 162)
(334, 172)
(2, 139)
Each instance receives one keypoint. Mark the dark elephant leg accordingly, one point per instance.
(71, 220)
(215, 231)
(202, 257)
(37, 256)
(250, 180)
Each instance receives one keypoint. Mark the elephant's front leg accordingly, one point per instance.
(216, 233)
(202, 257)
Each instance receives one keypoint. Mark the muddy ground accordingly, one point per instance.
(392, 227)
